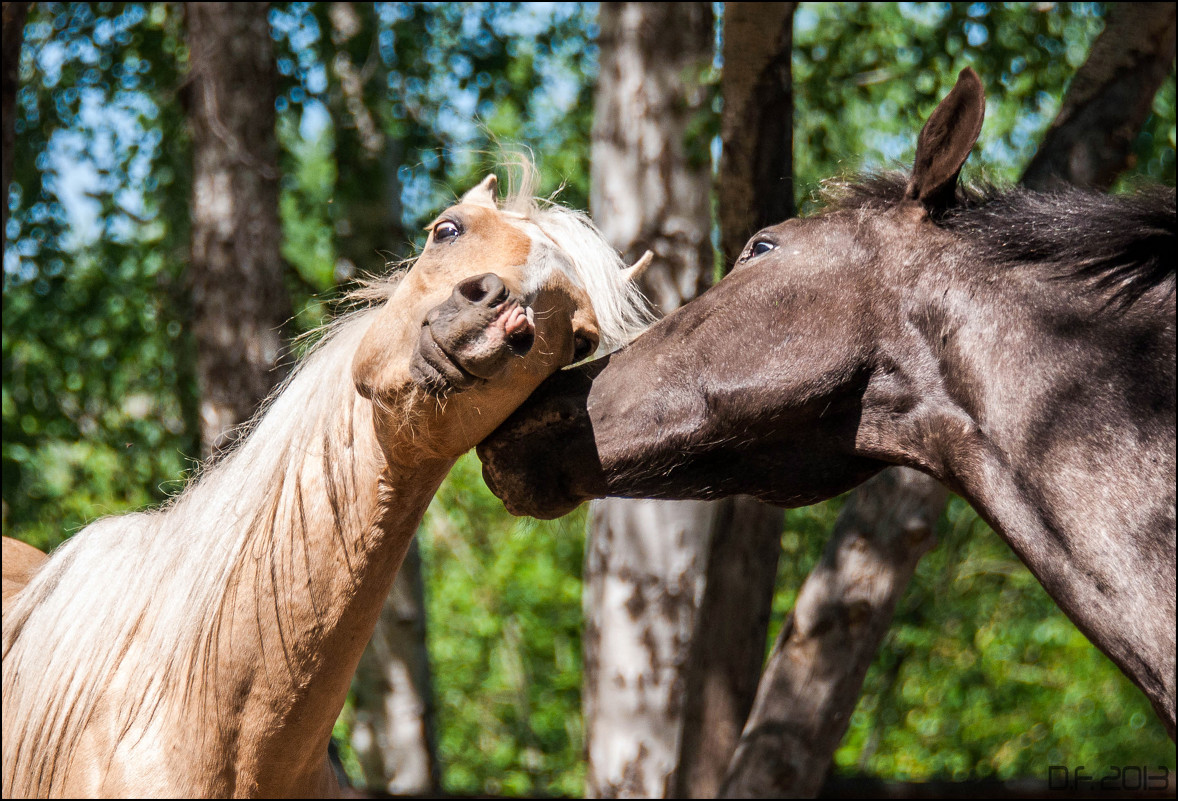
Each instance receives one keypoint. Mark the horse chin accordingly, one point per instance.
(462, 351)
(437, 372)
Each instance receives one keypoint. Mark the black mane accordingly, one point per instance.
(1123, 244)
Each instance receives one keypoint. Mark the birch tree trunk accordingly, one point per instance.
(650, 185)
(755, 189)
(393, 732)
(240, 304)
(645, 560)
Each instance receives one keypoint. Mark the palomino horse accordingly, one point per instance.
(1019, 347)
(205, 649)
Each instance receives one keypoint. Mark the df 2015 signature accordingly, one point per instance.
(1125, 777)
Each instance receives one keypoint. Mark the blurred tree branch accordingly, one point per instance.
(14, 31)
(1091, 141)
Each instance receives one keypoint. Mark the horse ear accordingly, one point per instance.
(484, 193)
(945, 141)
(633, 272)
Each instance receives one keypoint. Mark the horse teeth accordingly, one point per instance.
(528, 314)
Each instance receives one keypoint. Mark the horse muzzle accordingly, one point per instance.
(542, 461)
(472, 336)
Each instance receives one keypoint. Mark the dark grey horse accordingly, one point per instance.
(1017, 346)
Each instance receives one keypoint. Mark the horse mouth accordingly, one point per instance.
(519, 328)
(458, 351)
(435, 370)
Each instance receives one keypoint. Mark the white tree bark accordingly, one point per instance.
(650, 189)
(645, 560)
(644, 573)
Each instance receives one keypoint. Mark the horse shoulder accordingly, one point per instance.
(20, 562)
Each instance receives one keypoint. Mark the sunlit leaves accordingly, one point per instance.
(504, 629)
(868, 74)
(97, 382)
(982, 676)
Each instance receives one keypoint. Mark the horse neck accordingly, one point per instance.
(296, 703)
(1029, 402)
(337, 533)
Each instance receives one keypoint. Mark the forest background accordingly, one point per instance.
(382, 116)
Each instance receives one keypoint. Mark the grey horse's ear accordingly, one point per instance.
(484, 193)
(945, 141)
(633, 272)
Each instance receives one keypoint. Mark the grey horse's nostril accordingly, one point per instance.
(483, 290)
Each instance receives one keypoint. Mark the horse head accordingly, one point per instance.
(497, 301)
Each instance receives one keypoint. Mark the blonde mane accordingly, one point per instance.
(622, 311)
(144, 594)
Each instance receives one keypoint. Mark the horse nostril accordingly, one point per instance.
(483, 290)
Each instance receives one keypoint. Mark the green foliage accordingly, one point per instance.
(309, 175)
(802, 540)
(861, 106)
(982, 676)
(1153, 149)
(504, 629)
(99, 395)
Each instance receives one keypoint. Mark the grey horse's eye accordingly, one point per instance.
(763, 246)
(445, 231)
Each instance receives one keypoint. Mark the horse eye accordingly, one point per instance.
(446, 230)
(762, 247)
(582, 347)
